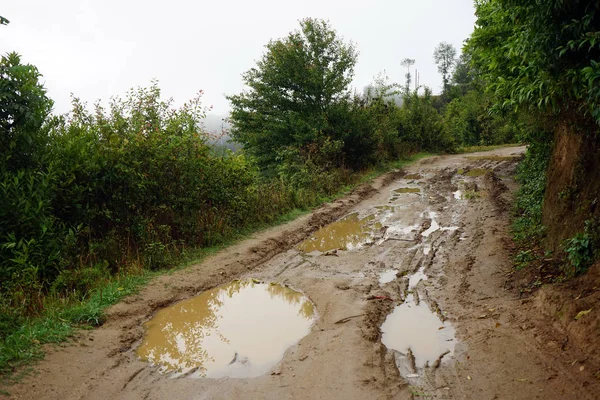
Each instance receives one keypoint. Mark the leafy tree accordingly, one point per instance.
(540, 54)
(444, 56)
(293, 90)
(4, 21)
(24, 107)
(408, 62)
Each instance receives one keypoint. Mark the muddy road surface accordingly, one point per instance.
(396, 291)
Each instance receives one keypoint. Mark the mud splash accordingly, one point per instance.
(239, 330)
(348, 233)
(416, 332)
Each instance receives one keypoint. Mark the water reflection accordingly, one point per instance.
(238, 330)
(346, 234)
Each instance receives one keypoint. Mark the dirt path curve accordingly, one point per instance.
(447, 247)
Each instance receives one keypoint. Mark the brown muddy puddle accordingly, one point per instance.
(238, 330)
(477, 172)
(348, 233)
(414, 329)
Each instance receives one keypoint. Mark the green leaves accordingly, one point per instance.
(539, 54)
(292, 91)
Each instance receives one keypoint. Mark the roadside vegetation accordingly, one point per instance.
(541, 59)
(96, 202)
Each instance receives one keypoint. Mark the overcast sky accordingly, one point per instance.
(100, 48)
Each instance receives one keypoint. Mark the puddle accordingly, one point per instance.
(435, 226)
(407, 190)
(416, 327)
(477, 172)
(348, 233)
(387, 276)
(385, 208)
(417, 277)
(412, 176)
(426, 249)
(238, 330)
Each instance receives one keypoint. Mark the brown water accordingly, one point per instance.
(412, 176)
(477, 172)
(408, 190)
(346, 234)
(239, 330)
(414, 326)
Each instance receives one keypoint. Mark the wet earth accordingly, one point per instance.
(396, 291)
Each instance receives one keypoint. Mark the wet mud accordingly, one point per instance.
(397, 296)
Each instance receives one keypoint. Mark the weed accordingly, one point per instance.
(580, 253)
(523, 259)
(471, 195)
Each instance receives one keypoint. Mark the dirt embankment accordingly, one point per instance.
(573, 189)
(442, 232)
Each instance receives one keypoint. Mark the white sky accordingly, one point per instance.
(100, 48)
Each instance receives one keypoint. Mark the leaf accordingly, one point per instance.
(580, 314)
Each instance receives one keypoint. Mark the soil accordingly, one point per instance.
(507, 346)
(574, 171)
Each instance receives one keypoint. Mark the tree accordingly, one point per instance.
(540, 54)
(444, 56)
(4, 21)
(292, 91)
(408, 62)
(24, 107)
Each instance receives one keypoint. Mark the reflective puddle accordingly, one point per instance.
(435, 226)
(414, 326)
(348, 233)
(239, 330)
(407, 190)
(412, 176)
(387, 276)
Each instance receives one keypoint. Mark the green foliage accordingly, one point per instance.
(540, 54)
(582, 249)
(469, 121)
(523, 258)
(293, 91)
(24, 107)
(580, 253)
(420, 124)
(527, 226)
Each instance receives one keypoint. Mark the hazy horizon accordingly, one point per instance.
(99, 50)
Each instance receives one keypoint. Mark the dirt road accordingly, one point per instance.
(409, 293)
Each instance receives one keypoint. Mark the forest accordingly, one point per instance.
(97, 201)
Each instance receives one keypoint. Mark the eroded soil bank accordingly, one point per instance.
(443, 247)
